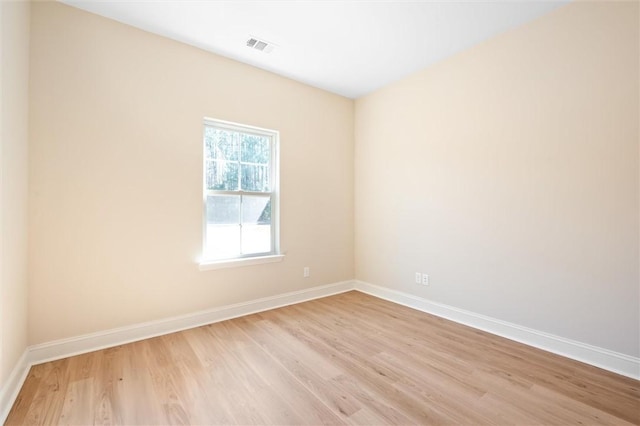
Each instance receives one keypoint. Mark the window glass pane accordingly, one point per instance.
(256, 239)
(238, 161)
(256, 224)
(255, 149)
(209, 143)
(222, 175)
(256, 209)
(221, 144)
(255, 177)
(223, 226)
(223, 241)
(223, 209)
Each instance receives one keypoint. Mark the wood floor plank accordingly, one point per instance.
(77, 403)
(281, 402)
(284, 383)
(400, 407)
(217, 400)
(305, 365)
(25, 398)
(49, 396)
(345, 359)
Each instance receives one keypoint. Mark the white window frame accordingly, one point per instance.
(274, 172)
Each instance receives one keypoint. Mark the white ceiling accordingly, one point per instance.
(347, 47)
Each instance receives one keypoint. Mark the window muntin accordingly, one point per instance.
(240, 191)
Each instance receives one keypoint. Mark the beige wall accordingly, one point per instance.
(115, 178)
(14, 50)
(509, 173)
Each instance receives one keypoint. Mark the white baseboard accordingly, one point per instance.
(105, 339)
(37, 354)
(609, 360)
(63, 348)
(10, 389)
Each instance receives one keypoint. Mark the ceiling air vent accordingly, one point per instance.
(262, 45)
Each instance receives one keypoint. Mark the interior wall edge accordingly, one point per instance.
(14, 89)
(9, 391)
(606, 359)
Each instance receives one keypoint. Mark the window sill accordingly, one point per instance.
(235, 263)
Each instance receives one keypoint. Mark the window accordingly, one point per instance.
(240, 191)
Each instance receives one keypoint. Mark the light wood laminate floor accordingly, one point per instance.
(345, 359)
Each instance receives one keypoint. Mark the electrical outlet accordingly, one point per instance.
(305, 272)
(425, 279)
(418, 277)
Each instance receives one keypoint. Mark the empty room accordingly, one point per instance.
(304, 212)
